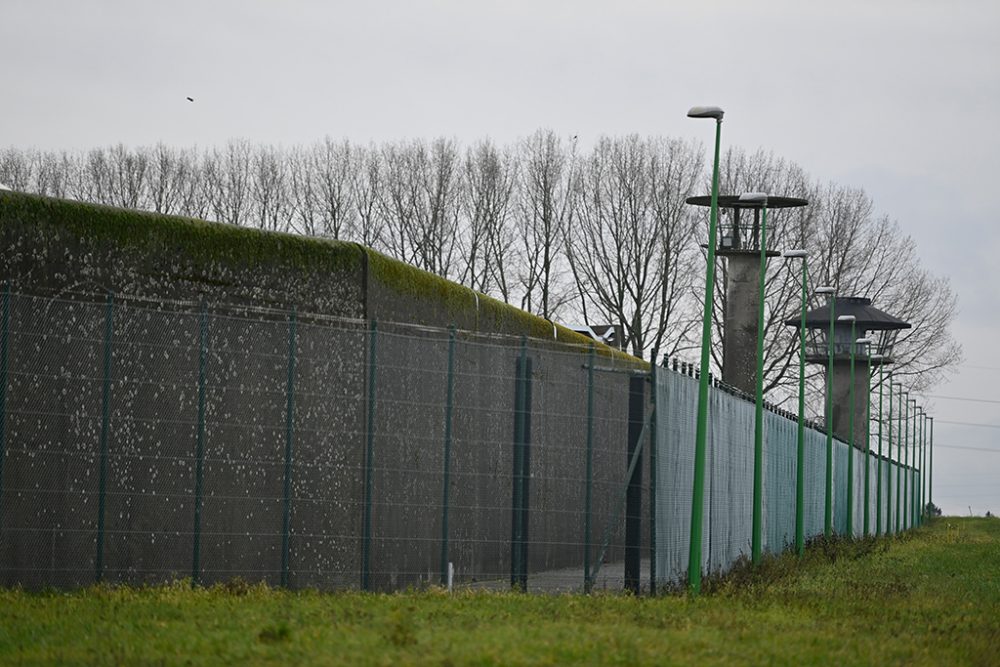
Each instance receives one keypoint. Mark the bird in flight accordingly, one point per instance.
(190, 99)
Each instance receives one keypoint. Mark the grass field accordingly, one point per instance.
(931, 597)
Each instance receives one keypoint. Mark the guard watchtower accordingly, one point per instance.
(739, 243)
(869, 322)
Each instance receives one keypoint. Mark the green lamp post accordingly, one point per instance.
(868, 420)
(913, 466)
(878, 472)
(850, 429)
(899, 458)
(800, 449)
(888, 487)
(830, 292)
(918, 463)
(930, 464)
(906, 460)
(701, 428)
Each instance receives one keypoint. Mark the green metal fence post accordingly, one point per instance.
(366, 537)
(828, 503)
(4, 342)
(200, 445)
(899, 460)
(517, 515)
(757, 516)
(920, 471)
(449, 398)
(588, 498)
(923, 469)
(800, 434)
(102, 479)
(878, 483)
(289, 441)
(868, 447)
(906, 463)
(888, 477)
(652, 480)
(850, 449)
(930, 465)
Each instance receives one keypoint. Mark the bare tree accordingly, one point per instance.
(489, 180)
(545, 211)
(16, 170)
(419, 204)
(332, 164)
(227, 182)
(270, 203)
(366, 185)
(631, 240)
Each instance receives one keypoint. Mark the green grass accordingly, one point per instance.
(931, 597)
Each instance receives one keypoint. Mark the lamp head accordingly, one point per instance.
(826, 290)
(846, 318)
(795, 254)
(867, 340)
(706, 112)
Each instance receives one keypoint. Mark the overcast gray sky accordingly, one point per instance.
(897, 97)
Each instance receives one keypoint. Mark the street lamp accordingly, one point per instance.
(906, 458)
(758, 422)
(930, 467)
(899, 454)
(888, 492)
(919, 461)
(868, 420)
(923, 469)
(911, 452)
(828, 508)
(878, 471)
(701, 429)
(800, 542)
(850, 429)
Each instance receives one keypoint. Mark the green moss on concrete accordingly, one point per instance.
(204, 243)
(460, 303)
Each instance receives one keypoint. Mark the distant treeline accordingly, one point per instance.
(600, 234)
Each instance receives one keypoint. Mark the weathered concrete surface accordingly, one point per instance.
(63, 257)
(841, 394)
(739, 343)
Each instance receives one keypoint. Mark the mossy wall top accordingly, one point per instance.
(59, 247)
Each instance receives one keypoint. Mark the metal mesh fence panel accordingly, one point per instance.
(729, 480)
(327, 480)
(840, 456)
(149, 442)
(814, 466)
(780, 452)
(676, 407)
(53, 435)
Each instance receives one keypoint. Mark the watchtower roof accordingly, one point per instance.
(866, 316)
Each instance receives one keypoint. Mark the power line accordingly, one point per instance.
(977, 449)
(942, 421)
(962, 398)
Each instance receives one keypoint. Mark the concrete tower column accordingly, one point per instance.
(842, 403)
(739, 343)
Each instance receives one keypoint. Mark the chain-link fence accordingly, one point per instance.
(143, 443)
(728, 497)
(146, 442)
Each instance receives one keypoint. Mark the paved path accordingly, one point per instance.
(611, 577)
